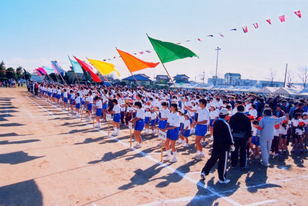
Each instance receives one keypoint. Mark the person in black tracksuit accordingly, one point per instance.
(241, 131)
(223, 142)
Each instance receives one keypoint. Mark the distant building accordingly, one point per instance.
(181, 78)
(162, 79)
(233, 79)
(141, 79)
(270, 84)
(216, 81)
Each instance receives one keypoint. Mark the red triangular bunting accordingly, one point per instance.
(245, 29)
(269, 21)
(282, 18)
(298, 13)
(256, 25)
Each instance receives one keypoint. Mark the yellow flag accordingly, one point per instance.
(103, 67)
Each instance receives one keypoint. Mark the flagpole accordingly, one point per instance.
(62, 78)
(162, 63)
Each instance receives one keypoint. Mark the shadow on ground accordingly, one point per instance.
(16, 157)
(24, 193)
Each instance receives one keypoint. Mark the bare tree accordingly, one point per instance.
(303, 75)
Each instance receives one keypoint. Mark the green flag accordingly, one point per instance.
(168, 51)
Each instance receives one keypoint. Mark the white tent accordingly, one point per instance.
(286, 91)
(268, 90)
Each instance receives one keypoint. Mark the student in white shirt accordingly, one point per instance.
(139, 124)
(99, 110)
(116, 111)
(172, 133)
(201, 126)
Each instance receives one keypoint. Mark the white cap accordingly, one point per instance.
(223, 111)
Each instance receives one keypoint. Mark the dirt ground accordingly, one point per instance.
(50, 158)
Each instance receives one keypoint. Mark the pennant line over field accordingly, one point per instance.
(244, 29)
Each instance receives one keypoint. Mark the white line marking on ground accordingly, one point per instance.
(181, 199)
(189, 198)
(262, 202)
(148, 156)
(46, 110)
(214, 193)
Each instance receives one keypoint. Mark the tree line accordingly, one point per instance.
(11, 73)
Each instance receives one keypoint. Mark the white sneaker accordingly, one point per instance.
(198, 156)
(173, 159)
(202, 155)
(137, 146)
(226, 181)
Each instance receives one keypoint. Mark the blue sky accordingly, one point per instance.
(33, 32)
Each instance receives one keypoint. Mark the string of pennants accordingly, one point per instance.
(245, 29)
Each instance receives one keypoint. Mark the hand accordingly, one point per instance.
(232, 148)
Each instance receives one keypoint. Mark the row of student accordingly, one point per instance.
(189, 111)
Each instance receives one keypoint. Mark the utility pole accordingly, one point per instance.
(203, 76)
(285, 76)
(217, 50)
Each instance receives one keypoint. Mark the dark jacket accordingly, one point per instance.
(240, 125)
(222, 135)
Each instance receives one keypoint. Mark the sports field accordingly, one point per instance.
(50, 158)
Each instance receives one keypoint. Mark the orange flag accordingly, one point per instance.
(134, 64)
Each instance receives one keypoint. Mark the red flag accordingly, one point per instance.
(298, 13)
(269, 21)
(245, 29)
(88, 68)
(282, 18)
(141, 52)
(256, 25)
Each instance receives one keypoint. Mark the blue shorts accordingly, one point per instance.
(105, 106)
(255, 140)
(89, 107)
(117, 117)
(201, 130)
(65, 99)
(162, 124)
(99, 112)
(147, 120)
(212, 122)
(58, 96)
(153, 122)
(139, 125)
(186, 133)
(173, 134)
(78, 106)
(49, 94)
(181, 126)
(72, 101)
